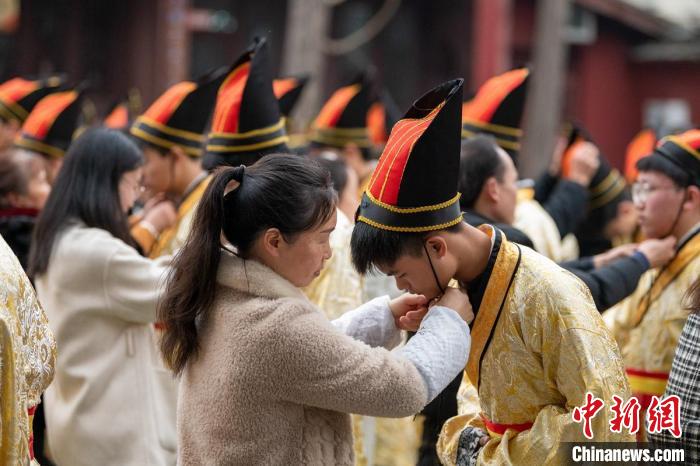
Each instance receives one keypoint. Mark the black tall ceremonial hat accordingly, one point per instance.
(497, 109)
(343, 118)
(18, 96)
(288, 90)
(414, 187)
(682, 150)
(50, 127)
(180, 115)
(247, 123)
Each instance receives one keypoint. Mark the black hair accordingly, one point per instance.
(291, 193)
(86, 190)
(338, 170)
(371, 246)
(657, 163)
(479, 161)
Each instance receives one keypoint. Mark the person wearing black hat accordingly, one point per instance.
(497, 110)
(18, 96)
(536, 338)
(487, 183)
(50, 128)
(171, 133)
(648, 323)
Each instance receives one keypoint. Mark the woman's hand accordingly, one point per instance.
(409, 310)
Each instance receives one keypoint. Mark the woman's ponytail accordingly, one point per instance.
(191, 283)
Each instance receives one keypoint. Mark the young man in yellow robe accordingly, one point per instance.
(647, 325)
(538, 343)
(173, 132)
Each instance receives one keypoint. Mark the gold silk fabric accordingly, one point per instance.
(538, 346)
(27, 357)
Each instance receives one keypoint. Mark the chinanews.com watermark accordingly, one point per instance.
(660, 415)
(622, 453)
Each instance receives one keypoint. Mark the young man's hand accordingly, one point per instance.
(458, 301)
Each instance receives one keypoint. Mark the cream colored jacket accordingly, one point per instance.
(109, 403)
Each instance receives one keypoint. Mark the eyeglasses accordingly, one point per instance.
(137, 187)
(641, 191)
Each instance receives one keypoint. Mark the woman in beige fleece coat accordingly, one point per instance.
(266, 378)
(109, 403)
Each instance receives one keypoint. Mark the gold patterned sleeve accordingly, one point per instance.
(578, 357)
(27, 356)
(468, 415)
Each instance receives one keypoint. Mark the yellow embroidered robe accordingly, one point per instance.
(538, 346)
(649, 322)
(27, 357)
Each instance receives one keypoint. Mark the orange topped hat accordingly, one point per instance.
(683, 150)
(50, 127)
(343, 118)
(414, 187)
(497, 109)
(247, 123)
(179, 116)
(639, 147)
(287, 91)
(118, 117)
(18, 96)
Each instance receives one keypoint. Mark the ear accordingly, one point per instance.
(437, 245)
(491, 189)
(692, 201)
(178, 153)
(272, 241)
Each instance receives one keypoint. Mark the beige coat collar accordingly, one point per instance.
(250, 276)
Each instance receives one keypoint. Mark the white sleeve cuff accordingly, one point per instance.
(372, 323)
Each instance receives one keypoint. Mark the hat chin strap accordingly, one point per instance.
(678, 215)
(442, 290)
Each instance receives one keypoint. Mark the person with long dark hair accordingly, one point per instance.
(106, 405)
(266, 378)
